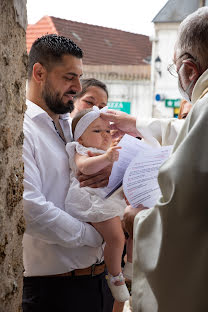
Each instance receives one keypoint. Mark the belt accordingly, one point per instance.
(93, 270)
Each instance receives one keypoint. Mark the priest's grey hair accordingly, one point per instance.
(193, 36)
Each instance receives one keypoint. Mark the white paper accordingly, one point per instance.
(130, 148)
(140, 183)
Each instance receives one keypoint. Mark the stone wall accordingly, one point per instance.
(13, 59)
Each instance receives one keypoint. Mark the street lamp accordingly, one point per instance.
(158, 63)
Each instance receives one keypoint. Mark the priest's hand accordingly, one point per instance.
(128, 218)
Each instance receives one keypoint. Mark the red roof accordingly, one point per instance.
(101, 45)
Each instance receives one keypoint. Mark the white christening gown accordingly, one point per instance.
(85, 203)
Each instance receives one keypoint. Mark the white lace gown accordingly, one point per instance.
(85, 203)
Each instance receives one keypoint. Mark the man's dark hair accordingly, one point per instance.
(49, 49)
(90, 82)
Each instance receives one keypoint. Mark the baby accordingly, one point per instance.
(92, 134)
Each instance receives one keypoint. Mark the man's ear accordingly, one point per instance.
(192, 70)
(39, 72)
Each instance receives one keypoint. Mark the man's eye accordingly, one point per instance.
(96, 131)
(108, 131)
(68, 78)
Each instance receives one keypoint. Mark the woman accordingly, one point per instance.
(185, 108)
(94, 92)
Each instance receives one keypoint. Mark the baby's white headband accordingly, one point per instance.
(86, 120)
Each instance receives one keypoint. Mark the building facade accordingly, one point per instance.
(118, 58)
(165, 95)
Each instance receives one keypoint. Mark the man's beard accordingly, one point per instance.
(54, 102)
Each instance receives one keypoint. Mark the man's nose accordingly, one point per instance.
(77, 85)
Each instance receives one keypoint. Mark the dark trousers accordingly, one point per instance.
(67, 294)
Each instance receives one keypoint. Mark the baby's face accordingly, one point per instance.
(97, 135)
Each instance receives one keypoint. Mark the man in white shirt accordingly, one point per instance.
(170, 239)
(62, 256)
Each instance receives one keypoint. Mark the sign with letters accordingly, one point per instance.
(172, 103)
(121, 106)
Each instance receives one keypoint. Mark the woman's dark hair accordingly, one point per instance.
(90, 82)
(49, 49)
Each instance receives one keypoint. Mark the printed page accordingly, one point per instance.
(140, 183)
(130, 148)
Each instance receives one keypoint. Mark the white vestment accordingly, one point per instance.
(86, 203)
(170, 241)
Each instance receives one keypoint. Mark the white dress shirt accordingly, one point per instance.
(54, 241)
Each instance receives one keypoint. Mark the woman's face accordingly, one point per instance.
(94, 96)
(185, 109)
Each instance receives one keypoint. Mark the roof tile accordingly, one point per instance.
(100, 45)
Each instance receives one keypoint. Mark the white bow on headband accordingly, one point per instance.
(86, 120)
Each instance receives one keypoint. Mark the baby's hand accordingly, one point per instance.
(116, 141)
(112, 154)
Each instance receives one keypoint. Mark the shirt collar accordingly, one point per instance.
(33, 110)
(200, 86)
